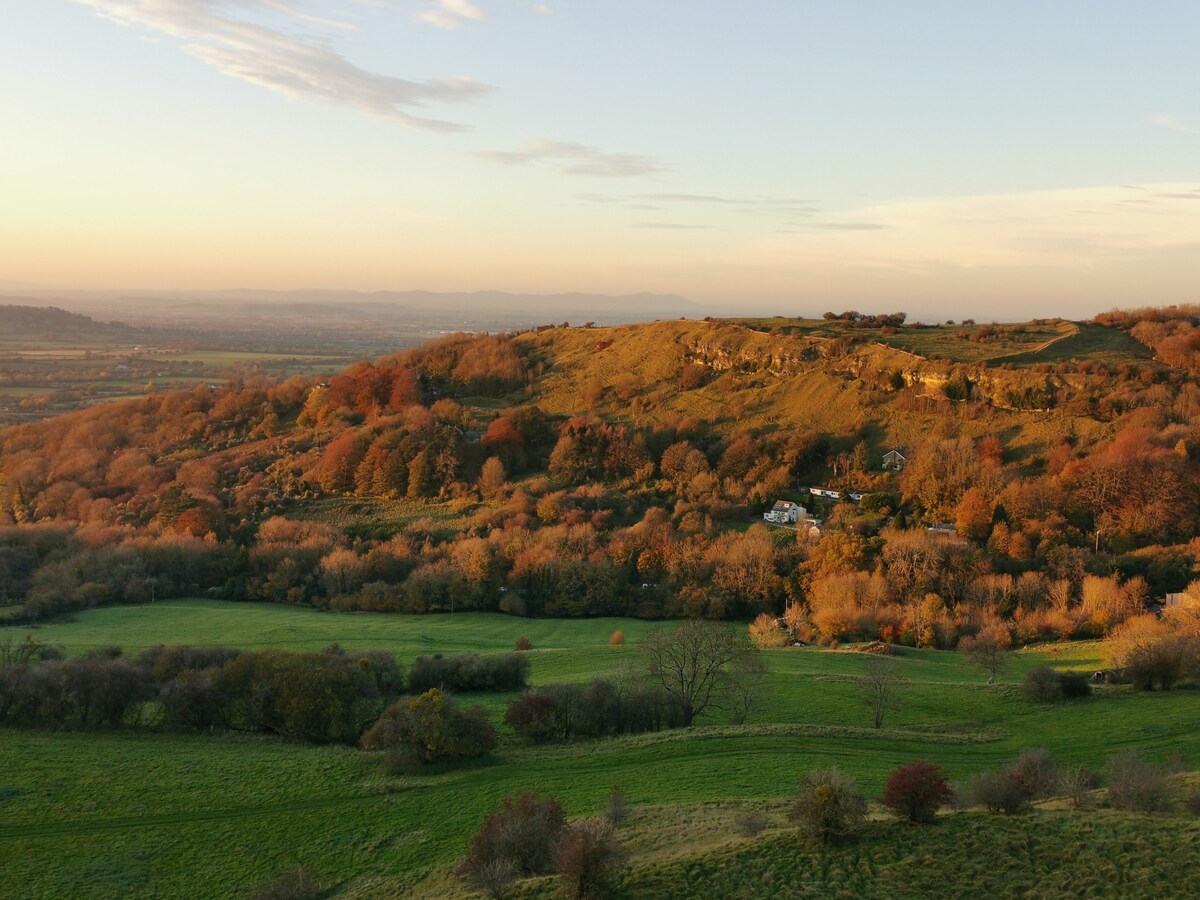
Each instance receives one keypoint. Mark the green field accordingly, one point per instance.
(135, 813)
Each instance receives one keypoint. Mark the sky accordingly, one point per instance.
(949, 158)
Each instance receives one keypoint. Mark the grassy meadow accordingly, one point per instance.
(127, 813)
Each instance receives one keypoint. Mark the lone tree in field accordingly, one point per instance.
(988, 650)
(916, 792)
(881, 686)
(828, 807)
(696, 663)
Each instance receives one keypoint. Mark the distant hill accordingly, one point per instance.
(395, 311)
(18, 322)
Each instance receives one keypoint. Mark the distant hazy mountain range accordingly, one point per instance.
(391, 309)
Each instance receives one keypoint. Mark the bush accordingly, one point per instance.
(1042, 685)
(521, 837)
(618, 638)
(586, 857)
(1151, 652)
(295, 884)
(1077, 785)
(1192, 803)
(1136, 785)
(429, 729)
(828, 807)
(916, 792)
(1000, 792)
(524, 644)
(1035, 769)
(751, 824)
(1075, 685)
(617, 809)
(1045, 685)
(766, 631)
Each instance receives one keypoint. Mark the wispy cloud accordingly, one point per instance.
(672, 226)
(452, 13)
(541, 9)
(231, 36)
(575, 159)
(846, 226)
(1075, 229)
(1172, 123)
(789, 210)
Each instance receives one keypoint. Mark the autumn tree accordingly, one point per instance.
(915, 792)
(430, 728)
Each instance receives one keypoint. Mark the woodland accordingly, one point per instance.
(516, 473)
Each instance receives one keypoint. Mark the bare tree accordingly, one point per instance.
(988, 650)
(696, 662)
(750, 684)
(881, 686)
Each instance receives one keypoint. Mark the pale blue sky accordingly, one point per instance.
(943, 157)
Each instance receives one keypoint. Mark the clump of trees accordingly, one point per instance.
(528, 836)
(430, 728)
(470, 672)
(562, 712)
(326, 697)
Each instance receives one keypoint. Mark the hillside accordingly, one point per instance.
(622, 471)
(49, 323)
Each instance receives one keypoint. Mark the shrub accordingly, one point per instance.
(295, 884)
(534, 716)
(1045, 685)
(916, 792)
(1152, 652)
(1075, 685)
(429, 729)
(618, 638)
(1078, 784)
(1136, 785)
(751, 824)
(524, 644)
(617, 809)
(521, 836)
(828, 808)
(1042, 685)
(1035, 769)
(766, 631)
(586, 857)
(1192, 803)
(1001, 792)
